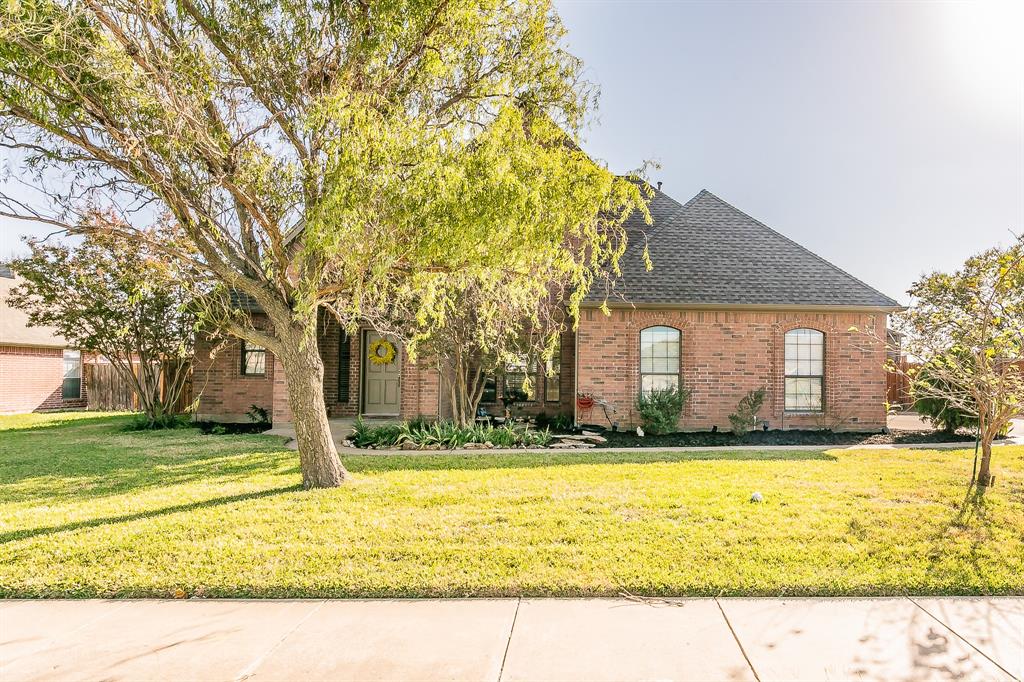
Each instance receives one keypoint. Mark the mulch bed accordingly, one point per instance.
(629, 439)
(219, 429)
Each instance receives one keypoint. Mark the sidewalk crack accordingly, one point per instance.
(737, 639)
(962, 638)
(508, 643)
(250, 670)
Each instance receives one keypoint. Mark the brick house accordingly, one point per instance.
(38, 371)
(730, 306)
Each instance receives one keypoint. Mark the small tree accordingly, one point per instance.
(118, 299)
(743, 419)
(491, 324)
(967, 328)
(660, 408)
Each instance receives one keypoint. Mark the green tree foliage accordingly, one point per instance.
(370, 158)
(120, 300)
(744, 419)
(660, 408)
(967, 328)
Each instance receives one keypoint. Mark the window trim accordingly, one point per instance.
(65, 378)
(531, 370)
(556, 366)
(820, 377)
(679, 357)
(246, 350)
(493, 393)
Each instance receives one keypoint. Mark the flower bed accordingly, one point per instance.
(420, 434)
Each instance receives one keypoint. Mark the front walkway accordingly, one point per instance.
(515, 639)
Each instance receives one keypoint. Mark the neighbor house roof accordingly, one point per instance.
(708, 253)
(14, 329)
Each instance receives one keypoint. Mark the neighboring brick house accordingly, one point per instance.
(730, 306)
(37, 369)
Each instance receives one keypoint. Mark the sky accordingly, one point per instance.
(886, 137)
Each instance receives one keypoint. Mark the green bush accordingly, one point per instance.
(558, 422)
(946, 417)
(742, 420)
(943, 416)
(939, 411)
(364, 434)
(167, 421)
(445, 434)
(660, 409)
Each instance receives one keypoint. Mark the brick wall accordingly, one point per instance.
(31, 379)
(724, 354)
(225, 394)
(541, 402)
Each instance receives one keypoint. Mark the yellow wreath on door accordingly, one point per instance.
(382, 352)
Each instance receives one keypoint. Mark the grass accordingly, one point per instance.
(89, 510)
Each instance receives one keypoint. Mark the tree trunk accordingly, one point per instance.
(464, 392)
(318, 457)
(984, 471)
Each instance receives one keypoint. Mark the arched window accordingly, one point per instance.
(805, 370)
(659, 358)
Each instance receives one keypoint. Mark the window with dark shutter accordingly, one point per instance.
(344, 352)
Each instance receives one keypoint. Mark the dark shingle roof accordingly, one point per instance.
(706, 252)
(5, 271)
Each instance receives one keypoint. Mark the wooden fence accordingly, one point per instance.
(108, 390)
(897, 386)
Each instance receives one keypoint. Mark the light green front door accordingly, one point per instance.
(381, 376)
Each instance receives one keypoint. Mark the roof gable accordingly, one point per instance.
(707, 252)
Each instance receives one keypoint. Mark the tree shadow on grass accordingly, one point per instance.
(88, 458)
(24, 533)
(470, 462)
(970, 519)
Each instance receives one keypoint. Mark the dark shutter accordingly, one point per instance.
(344, 352)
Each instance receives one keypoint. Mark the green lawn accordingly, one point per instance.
(89, 510)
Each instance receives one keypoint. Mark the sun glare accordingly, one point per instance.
(984, 45)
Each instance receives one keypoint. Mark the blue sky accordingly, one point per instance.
(886, 137)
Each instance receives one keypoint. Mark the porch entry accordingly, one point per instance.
(382, 373)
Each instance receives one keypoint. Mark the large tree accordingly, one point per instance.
(967, 328)
(117, 299)
(351, 155)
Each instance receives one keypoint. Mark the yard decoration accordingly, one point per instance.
(382, 352)
(370, 159)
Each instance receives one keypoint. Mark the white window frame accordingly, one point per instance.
(662, 367)
(804, 364)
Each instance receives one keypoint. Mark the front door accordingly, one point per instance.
(382, 370)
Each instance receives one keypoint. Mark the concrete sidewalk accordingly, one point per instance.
(514, 639)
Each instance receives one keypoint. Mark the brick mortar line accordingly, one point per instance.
(962, 638)
(737, 639)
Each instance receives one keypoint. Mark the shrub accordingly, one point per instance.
(944, 416)
(364, 434)
(939, 413)
(445, 434)
(743, 419)
(558, 422)
(258, 415)
(165, 421)
(660, 409)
